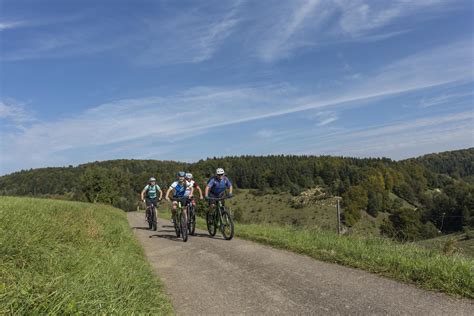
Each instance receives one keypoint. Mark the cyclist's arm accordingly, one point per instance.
(161, 194)
(229, 186)
(191, 192)
(167, 197)
(200, 192)
(143, 194)
(206, 191)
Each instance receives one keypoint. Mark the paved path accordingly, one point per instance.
(212, 276)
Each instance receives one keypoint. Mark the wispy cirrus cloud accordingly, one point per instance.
(297, 25)
(109, 129)
(445, 98)
(5, 25)
(268, 31)
(405, 139)
(192, 36)
(62, 37)
(15, 112)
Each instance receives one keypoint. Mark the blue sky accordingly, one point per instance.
(184, 80)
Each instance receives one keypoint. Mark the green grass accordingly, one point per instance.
(460, 243)
(429, 269)
(59, 257)
(276, 209)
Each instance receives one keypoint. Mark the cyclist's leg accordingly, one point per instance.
(212, 204)
(147, 209)
(154, 202)
(185, 210)
(174, 205)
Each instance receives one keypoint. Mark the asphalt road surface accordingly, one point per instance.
(213, 276)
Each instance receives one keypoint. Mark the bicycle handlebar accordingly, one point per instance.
(180, 199)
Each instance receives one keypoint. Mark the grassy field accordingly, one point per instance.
(277, 209)
(429, 269)
(460, 243)
(59, 257)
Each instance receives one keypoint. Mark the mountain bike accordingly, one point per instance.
(151, 217)
(191, 209)
(180, 224)
(221, 218)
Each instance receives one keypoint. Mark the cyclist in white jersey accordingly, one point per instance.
(179, 188)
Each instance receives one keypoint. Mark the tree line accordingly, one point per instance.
(434, 186)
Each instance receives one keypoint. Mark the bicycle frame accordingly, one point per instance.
(217, 219)
(180, 217)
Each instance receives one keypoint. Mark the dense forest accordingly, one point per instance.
(438, 186)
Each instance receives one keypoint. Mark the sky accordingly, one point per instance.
(87, 80)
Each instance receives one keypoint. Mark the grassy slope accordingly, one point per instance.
(67, 257)
(429, 269)
(276, 209)
(458, 241)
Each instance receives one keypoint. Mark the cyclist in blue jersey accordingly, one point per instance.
(149, 194)
(181, 188)
(217, 186)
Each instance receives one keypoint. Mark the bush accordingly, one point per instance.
(350, 216)
(295, 190)
(406, 225)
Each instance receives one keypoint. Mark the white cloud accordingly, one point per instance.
(284, 35)
(265, 133)
(144, 123)
(268, 30)
(408, 139)
(10, 25)
(290, 27)
(192, 36)
(15, 112)
(445, 98)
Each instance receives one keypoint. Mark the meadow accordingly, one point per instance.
(61, 257)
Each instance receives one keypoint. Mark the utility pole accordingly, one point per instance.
(442, 222)
(338, 211)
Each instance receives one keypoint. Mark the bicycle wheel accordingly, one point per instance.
(227, 225)
(176, 226)
(192, 220)
(148, 219)
(153, 219)
(211, 223)
(184, 227)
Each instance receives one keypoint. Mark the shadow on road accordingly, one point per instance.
(142, 227)
(169, 237)
(201, 235)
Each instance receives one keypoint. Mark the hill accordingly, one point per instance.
(61, 257)
(416, 198)
(458, 164)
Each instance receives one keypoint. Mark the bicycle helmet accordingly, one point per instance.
(181, 174)
(189, 176)
(152, 179)
(220, 171)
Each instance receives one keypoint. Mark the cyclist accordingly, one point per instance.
(189, 178)
(217, 186)
(149, 194)
(179, 186)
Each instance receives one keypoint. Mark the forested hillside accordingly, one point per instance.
(432, 184)
(458, 164)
